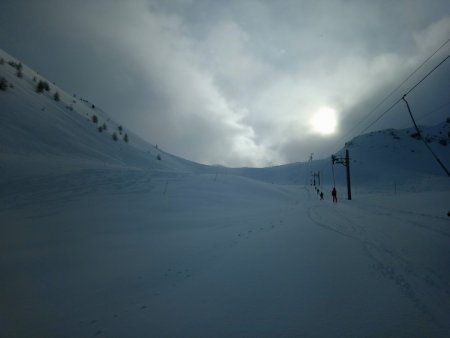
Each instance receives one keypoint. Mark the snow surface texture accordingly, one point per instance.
(101, 238)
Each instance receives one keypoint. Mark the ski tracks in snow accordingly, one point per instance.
(374, 227)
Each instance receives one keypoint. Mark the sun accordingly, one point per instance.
(324, 121)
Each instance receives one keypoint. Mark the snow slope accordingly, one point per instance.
(35, 125)
(100, 238)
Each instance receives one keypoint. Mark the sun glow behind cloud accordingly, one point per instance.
(324, 121)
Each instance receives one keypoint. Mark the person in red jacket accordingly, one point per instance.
(334, 194)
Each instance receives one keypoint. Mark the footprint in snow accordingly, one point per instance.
(143, 307)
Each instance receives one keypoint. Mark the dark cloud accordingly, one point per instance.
(236, 82)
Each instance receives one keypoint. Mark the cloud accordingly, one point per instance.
(238, 82)
(197, 121)
(432, 36)
(240, 107)
(142, 67)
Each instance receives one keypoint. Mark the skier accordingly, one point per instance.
(334, 194)
(321, 195)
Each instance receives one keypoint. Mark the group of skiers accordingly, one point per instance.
(333, 194)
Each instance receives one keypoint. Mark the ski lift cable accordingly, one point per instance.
(428, 74)
(394, 90)
(438, 160)
(408, 92)
(402, 98)
(379, 117)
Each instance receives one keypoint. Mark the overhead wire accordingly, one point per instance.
(398, 87)
(438, 160)
(390, 94)
(380, 117)
(395, 89)
(403, 97)
(428, 74)
(409, 91)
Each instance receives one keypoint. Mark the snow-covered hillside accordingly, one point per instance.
(101, 238)
(36, 127)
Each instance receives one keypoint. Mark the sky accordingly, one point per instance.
(245, 82)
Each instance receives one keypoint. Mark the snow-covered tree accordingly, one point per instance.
(3, 84)
(41, 86)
